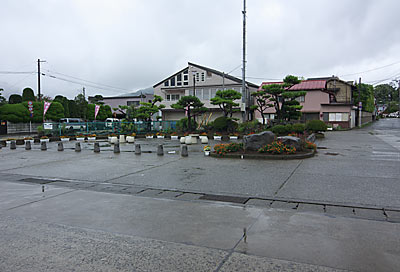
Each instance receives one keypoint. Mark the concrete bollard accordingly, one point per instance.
(13, 145)
(60, 147)
(43, 146)
(116, 148)
(28, 145)
(184, 151)
(96, 147)
(122, 138)
(78, 147)
(138, 149)
(160, 150)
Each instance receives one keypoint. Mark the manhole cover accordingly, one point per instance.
(233, 199)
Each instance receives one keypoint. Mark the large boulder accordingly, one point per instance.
(290, 141)
(255, 141)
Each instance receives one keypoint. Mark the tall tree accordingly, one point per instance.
(367, 97)
(284, 100)
(15, 99)
(64, 101)
(97, 99)
(262, 103)
(81, 103)
(225, 100)
(28, 95)
(192, 105)
(385, 93)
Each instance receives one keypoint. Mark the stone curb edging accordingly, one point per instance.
(266, 157)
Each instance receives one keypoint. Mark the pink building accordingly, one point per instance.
(327, 99)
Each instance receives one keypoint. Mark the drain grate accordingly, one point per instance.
(223, 198)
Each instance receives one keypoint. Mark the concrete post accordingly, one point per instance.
(160, 150)
(13, 145)
(43, 146)
(27, 145)
(116, 148)
(138, 149)
(60, 147)
(97, 147)
(78, 147)
(184, 151)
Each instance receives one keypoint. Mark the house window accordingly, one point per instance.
(213, 93)
(179, 77)
(185, 77)
(209, 74)
(179, 83)
(203, 76)
(173, 81)
(134, 103)
(338, 117)
(166, 83)
(172, 97)
(206, 94)
(185, 83)
(301, 98)
(199, 93)
(197, 76)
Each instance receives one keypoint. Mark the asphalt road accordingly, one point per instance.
(123, 212)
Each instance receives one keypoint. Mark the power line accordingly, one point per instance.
(84, 80)
(14, 72)
(374, 69)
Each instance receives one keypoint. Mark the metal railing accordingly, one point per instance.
(105, 128)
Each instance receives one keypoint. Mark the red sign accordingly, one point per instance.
(96, 110)
(46, 107)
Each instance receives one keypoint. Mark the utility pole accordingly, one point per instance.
(359, 104)
(244, 91)
(84, 93)
(38, 63)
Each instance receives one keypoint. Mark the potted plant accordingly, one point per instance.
(64, 138)
(174, 136)
(29, 139)
(234, 136)
(160, 135)
(131, 137)
(218, 136)
(207, 150)
(91, 137)
(149, 136)
(80, 137)
(44, 139)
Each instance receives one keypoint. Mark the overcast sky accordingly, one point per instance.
(133, 44)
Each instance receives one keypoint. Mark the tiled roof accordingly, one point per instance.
(304, 85)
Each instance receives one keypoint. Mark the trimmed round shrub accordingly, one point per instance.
(289, 128)
(224, 124)
(298, 128)
(279, 129)
(316, 126)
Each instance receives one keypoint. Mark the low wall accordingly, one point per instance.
(15, 128)
(366, 117)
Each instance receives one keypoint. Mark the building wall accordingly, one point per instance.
(344, 93)
(205, 88)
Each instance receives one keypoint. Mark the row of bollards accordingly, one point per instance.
(78, 148)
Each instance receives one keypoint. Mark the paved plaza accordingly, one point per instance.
(126, 212)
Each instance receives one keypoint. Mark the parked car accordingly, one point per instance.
(73, 123)
(110, 122)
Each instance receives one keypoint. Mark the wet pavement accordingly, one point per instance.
(199, 213)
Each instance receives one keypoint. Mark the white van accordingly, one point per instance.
(73, 123)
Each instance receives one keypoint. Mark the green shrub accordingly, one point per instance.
(279, 130)
(224, 124)
(298, 128)
(289, 128)
(182, 125)
(277, 147)
(249, 126)
(316, 126)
